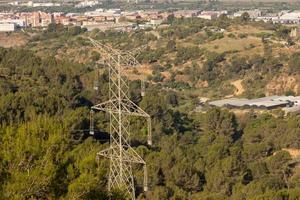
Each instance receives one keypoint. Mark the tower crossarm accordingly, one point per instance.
(129, 60)
(106, 49)
(128, 155)
(112, 56)
(128, 108)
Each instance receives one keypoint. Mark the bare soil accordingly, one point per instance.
(8, 40)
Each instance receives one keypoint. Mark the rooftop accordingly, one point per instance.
(264, 102)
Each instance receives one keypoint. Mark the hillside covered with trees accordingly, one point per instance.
(46, 91)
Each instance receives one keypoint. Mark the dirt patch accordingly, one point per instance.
(202, 84)
(141, 72)
(282, 83)
(182, 78)
(248, 29)
(12, 39)
(166, 74)
(239, 87)
(245, 46)
(295, 153)
(156, 34)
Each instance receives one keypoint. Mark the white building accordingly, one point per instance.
(267, 18)
(97, 12)
(114, 11)
(252, 13)
(32, 4)
(72, 14)
(7, 27)
(17, 22)
(14, 3)
(156, 22)
(29, 3)
(208, 16)
(86, 3)
(108, 14)
(290, 18)
(212, 12)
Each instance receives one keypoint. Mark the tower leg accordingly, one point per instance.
(145, 179)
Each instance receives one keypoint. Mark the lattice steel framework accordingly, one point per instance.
(120, 108)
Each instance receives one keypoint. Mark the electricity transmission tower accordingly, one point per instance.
(120, 109)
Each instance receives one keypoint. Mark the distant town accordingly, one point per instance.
(123, 20)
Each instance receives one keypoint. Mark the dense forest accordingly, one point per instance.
(45, 99)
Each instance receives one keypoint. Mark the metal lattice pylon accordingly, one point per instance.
(120, 108)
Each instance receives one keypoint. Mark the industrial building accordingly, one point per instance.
(289, 104)
(290, 18)
(293, 109)
(104, 26)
